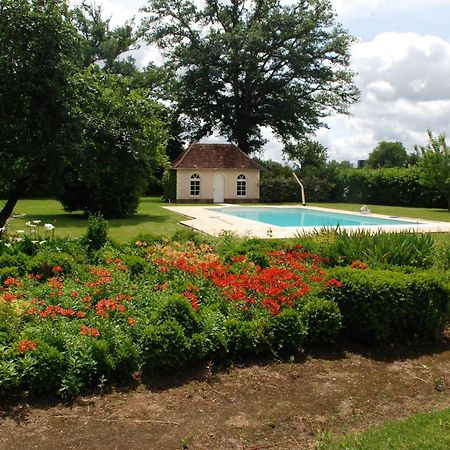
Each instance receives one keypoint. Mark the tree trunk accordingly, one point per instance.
(9, 207)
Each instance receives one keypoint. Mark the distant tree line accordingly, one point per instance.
(391, 177)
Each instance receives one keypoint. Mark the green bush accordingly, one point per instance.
(323, 320)
(165, 348)
(96, 233)
(213, 342)
(136, 265)
(48, 263)
(384, 305)
(6, 272)
(288, 331)
(42, 369)
(179, 309)
(248, 338)
(116, 357)
(9, 369)
(17, 260)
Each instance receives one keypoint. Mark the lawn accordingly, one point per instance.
(152, 218)
(429, 431)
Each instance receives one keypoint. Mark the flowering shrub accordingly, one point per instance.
(66, 325)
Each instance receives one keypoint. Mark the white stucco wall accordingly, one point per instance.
(206, 184)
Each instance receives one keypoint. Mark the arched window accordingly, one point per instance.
(195, 184)
(241, 186)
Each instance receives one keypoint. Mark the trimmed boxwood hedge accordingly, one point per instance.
(385, 305)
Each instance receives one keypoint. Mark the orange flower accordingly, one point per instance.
(131, 321)
(25, 345)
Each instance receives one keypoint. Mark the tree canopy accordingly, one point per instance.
(388, 154)
(434, 165)
(244, 65)
(39, 52)
(121, 143)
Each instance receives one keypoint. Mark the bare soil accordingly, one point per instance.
(275, 405)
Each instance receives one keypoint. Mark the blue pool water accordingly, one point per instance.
(304, 217)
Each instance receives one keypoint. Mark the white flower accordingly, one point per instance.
(18, 239)
(42, 242)
(34, 242)
(49, 227)
(7, 244)
(37, 222)
(2, 229)
(29, 224)
(20, 231)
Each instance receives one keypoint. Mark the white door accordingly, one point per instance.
(218, 188)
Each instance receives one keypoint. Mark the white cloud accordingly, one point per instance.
(404, 80)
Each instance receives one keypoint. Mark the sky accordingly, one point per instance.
(402, 61)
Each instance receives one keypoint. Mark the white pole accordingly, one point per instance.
(302, 189)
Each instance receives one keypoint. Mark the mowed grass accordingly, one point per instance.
(430, 431)
(154, 219)
(151, 218)
(438, 214)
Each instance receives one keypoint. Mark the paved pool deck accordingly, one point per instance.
(209, 221)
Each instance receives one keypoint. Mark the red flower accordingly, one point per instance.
(26, 345)
(86, 331)
(57, 269)
(131, 321)
(333, 281)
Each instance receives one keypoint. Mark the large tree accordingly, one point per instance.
(102, 45)
(434, 165)
(122, 137)
(248, 64)
(388, 154)
(38, 51)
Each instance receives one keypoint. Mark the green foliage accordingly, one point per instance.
(100, 43)
(308, 153)
(121, 145)
(165, 348)
(387, 154)
(323, 321)
(289, 332)
(228, 58)
(426, 430)
(96, 234)
(42, 369)
(434, 165)
(320, 180)
(169, 185)
(248, 338)
(385, 186)
(213, 342)
(179, 309)
(51, 263)
(136, 265)
(383, 305)
(17, 260)
(39, 51)
(6, 272)
(378, 249)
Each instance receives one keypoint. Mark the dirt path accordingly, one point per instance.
(274, 406)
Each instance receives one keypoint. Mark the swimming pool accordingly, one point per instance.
(304, 217)
(215, 220)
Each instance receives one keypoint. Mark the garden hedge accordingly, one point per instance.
(387, 306)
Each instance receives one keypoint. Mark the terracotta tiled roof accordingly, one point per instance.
(214, 156)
